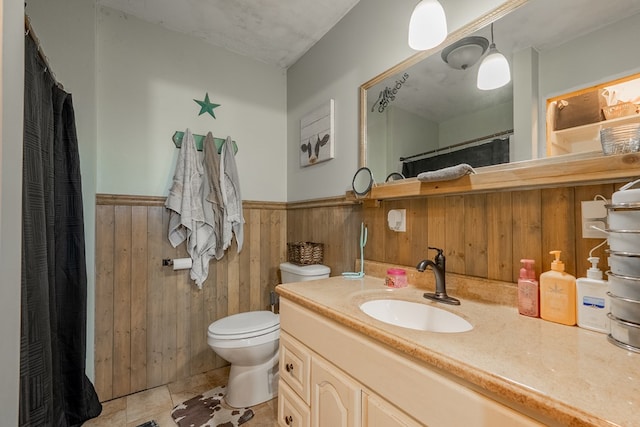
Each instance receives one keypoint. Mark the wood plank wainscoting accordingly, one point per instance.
(335, 222)
(151, 321)
(486, 234)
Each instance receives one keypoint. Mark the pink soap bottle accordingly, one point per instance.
(528, 290)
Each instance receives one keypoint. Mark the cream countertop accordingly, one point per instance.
(570, 374)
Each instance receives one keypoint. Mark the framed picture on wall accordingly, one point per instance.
(316, 135)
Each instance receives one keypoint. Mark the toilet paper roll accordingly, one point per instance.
(182, 263)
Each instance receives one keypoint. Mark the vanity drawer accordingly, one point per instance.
(292, 411)
(295, 365)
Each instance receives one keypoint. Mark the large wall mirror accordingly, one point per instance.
(429, 104)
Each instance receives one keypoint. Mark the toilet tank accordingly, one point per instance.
(301, 273)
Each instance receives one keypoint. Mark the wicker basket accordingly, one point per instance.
(620, 110)
(305, 253)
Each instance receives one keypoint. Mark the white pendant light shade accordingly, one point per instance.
(494, 70)
(428, 25)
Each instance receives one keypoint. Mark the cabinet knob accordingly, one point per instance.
(288, 420)
(289, 367)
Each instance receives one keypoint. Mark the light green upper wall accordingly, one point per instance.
(147, 80)
(409, 134)
(598, 57)
(488, 121)
(525, 93)
(371, 38)
(396, 133)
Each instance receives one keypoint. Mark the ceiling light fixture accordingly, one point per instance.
(427, 26)
(494, 70)
(465, 52)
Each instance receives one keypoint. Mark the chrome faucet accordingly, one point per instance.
(438, 268)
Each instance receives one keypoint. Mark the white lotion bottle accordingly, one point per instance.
(592, 302)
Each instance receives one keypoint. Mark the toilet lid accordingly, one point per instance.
(243, 325)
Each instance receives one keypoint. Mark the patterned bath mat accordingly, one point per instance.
(210, 410)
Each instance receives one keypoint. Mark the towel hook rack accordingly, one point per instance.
(199, 139)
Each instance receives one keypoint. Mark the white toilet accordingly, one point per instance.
(249, 341)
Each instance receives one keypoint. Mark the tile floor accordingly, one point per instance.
(157, 403)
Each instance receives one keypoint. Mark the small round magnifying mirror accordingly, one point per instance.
(362, 182)
(394, 176)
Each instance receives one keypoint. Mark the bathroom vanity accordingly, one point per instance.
(340, 367)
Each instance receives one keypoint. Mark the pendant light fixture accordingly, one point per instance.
(494, 70)
(464, 53)
(428, 25)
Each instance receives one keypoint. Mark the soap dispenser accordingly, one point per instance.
(558, 294)
(528, 290)
(592, 301)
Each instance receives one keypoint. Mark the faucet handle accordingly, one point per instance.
(439, 258)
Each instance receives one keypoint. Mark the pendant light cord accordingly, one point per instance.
(492, 43)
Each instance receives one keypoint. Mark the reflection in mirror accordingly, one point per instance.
(362, 182)
(433, 106)
(394, 176)
(602, 117)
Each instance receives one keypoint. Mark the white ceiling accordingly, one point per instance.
(277, 32)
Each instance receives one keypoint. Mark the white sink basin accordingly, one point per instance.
(414, 315)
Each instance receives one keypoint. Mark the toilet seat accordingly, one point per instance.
(244, 325)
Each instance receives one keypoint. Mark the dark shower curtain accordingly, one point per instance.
(54, 390)
(487, 154)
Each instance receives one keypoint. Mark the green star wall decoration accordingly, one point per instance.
(206, 106)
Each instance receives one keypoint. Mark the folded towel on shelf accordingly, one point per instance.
(446, 174)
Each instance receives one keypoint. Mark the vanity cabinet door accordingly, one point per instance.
(292, 411)
(295, 365)
(335, 397)
(377, 412)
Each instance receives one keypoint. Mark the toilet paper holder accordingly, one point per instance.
(178, 264)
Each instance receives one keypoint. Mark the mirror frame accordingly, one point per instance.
(454, 36)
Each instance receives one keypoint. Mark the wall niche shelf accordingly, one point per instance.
(574, 120)
(584, 138)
